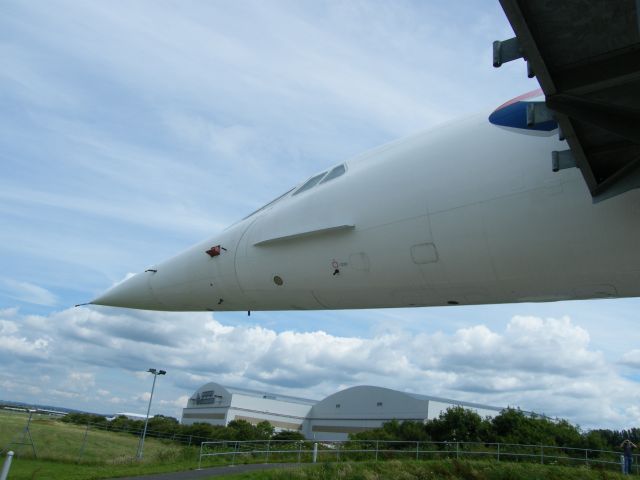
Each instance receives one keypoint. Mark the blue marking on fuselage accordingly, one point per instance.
(515, 116)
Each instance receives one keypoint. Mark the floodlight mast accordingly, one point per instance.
(146, 421)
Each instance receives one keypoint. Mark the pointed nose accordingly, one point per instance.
(135, 292)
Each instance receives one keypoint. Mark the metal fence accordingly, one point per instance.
(362, 450)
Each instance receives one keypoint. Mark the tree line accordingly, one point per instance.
(168, 427)
(456, 424)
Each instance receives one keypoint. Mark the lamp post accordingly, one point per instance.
(144, 432)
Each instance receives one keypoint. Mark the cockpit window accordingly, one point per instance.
(310, 183)
(334, 173)
(323, 177)
(269, 204)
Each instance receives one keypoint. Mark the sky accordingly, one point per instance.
(132, 130)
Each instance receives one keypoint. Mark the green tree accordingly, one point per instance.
(456, 424)
(84, 418)
(199, 432)
(124, 423)
(242, 430)
(164, 425)
(594, 440)
(408, 430)
(264, 430)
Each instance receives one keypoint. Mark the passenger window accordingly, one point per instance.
(334, 173)
(310, 183)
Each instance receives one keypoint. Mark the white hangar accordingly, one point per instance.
(361, 408)
(352, 410)
(212, 403)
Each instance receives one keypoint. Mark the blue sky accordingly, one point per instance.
(129, 131)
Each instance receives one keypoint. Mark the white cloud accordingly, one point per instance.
(178, 403)
(542, 364)
(23, 348)
(143, 396)
(27, 292)
(9, 312)
(63, 394)
(7, 327)
(631, 358)
(81, 380)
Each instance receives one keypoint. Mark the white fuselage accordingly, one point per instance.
(469, 213)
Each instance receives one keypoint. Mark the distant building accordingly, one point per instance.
(212, 403)
(352, 410)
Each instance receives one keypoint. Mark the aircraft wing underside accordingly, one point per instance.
(586, 57)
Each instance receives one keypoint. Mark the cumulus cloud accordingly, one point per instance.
(631, 358)
(541, 364)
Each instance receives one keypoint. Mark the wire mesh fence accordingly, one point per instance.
(379, 450)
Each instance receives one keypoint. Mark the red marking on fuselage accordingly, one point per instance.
(533, 93)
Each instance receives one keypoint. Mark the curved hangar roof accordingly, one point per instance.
(378, 402)
(215, 394)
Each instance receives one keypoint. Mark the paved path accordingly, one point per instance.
(212, 472)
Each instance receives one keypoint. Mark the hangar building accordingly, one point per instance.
(212, 403)
(352, 410)
(361, 408)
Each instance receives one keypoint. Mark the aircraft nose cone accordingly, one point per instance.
(134, 292)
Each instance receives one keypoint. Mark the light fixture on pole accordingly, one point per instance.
(144, 432)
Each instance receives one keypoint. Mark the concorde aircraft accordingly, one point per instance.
(535, 201)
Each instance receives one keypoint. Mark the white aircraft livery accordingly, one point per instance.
(468, 213)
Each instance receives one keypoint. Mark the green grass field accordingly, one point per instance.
(432, 470)
(59, 441)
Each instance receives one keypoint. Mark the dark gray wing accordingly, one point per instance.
(586, 56)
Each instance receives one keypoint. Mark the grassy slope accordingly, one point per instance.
(106, 454)
(62, 441)
(433, 470)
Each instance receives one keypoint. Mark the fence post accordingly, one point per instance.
(84, 443)
(235, 450)
(268, 448)
(586, 457)
(542, 454)
(190, 436)
(315, 452)
(417, 450)
(200, 457)
(457, 450)
(299, 451)
(377, 445)
(498, 452)
(338, 452)
(7, 466)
